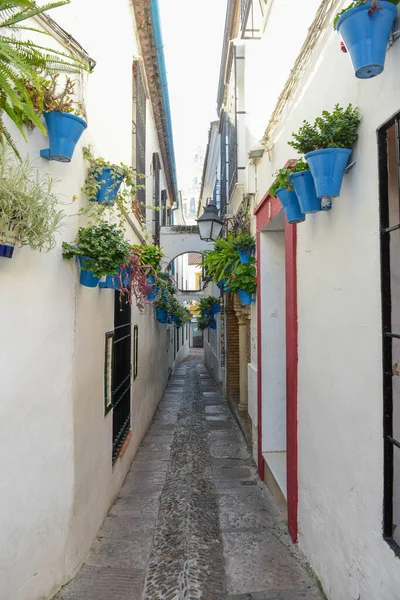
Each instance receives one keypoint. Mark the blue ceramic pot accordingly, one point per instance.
(178, 324)
(109, 186)
(152, 295)
(245, 297)
(291, 206)
(213, 324)
(221, 284)
(6, 251)
(111, 282)
(327, 168)
(366, 36)
(86, 277)
(215, 309)
(303, 185)
(161, 315)
(245, 255)
(64, 131)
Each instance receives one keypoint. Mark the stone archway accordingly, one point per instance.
(180, 239)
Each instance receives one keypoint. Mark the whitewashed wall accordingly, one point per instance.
(55, 443)
(340, 351)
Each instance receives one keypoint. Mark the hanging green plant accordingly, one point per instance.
(107, 184)
(102, 247)
(29, 208)
(150, 254)
(283, 176)
(219, 262)
(244, 278)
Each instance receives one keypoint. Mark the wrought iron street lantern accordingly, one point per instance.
(210, 224)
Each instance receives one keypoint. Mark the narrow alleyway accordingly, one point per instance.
(192, 519)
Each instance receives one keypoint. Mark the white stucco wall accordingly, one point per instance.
(340, 350)
(55, 442)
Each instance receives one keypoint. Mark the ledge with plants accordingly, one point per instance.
(29, 212)
(244, 281)
(365, 29)
(101, 250)
(326, 145)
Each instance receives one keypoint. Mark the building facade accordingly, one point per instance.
(66, 447)
(322, 355)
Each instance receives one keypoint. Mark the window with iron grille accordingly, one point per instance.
(135, 351)
(389, 188)
(224, 175)
(139, 135)
(156, 198)
(121, 373)
(231, 130)
(163, 208)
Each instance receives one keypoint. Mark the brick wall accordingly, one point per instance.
(232, 351)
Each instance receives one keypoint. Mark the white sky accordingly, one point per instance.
(193, 33)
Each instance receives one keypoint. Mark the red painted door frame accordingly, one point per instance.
(267, 210)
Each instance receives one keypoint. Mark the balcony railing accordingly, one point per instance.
(252, 18)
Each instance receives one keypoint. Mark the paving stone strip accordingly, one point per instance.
(192, 520)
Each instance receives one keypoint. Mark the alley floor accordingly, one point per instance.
(193, 521)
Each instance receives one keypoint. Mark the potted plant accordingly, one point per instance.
(245, 245)
(150, 257)
(104, 180)
(302, 182)
(133, 280)
(61, 113)
(219, 262)
(101, 250)
(327, 147)
(165, 301)
(22, 60)
(209, 305)
(243, 281)
(29, 213)
(282, 188)
(365, 29)
(206, 321)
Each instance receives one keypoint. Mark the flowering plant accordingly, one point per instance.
(133, 280)
(244, 278)
(375, 6)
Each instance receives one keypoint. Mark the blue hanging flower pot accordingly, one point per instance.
(327, 168)
(291, 206)
(64, 131)
(9, 238)
(151, 295)
(216, 309)
(213, 324)
(245, 255)
(86, 277)
(366, 36)
(303, 185)
(221, 284)
(110, 182)
(161, 315)
(245, 297)
(111, 282)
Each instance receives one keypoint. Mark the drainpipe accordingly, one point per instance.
(158, 41)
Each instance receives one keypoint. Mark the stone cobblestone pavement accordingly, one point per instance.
(192, 520)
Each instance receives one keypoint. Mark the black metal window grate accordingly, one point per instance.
(163, 208)
(156, 198)
(389, 189)
(140, 128)
(135, 351)
(121, 388)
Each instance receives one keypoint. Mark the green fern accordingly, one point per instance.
(22, 61)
